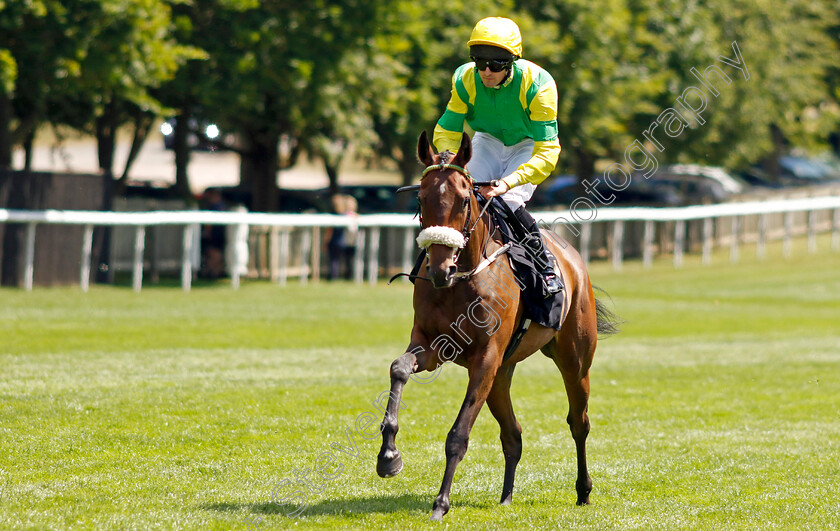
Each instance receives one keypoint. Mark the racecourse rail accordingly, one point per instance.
(368, 239)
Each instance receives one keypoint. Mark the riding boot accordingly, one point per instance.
(543, 260)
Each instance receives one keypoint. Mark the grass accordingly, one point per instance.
(717, 407)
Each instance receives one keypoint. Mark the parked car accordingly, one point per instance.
(203, 135)
(375, 198)
(698, 184)
(563, 190)
(802, 170)
(291, 201)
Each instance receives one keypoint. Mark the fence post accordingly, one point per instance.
(315, 268)
(359, 258)
(733, 243)
(835, 230)
(585, 238)
(139, 247)
(787, 242)
(186, 257)
(373, 255)
(87, 251)
(305, 248)
(812, 231)
(283, 260)
(273, 253)
(708, 240)
(29, 265)
(679, 242)
(238, 257)
(408, 246)
(618, 245)
(761, 244)
(647, 244)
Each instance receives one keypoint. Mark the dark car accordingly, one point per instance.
(698, 184)
(563, 190)
(378, 198)
(289, 201)
(202, 135)
(800, 170)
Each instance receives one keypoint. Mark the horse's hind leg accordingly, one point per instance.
(510, 432)
(573, 356)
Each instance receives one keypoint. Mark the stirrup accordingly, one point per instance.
(553, 284)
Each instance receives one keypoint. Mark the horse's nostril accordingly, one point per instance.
(451, 271)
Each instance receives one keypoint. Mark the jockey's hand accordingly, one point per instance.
(499, 187)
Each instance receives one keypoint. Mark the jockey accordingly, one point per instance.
(511, 104)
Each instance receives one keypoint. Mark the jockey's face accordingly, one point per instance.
(492, 79)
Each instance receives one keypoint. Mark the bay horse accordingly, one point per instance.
(466, 310)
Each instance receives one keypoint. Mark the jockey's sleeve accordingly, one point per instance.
(543, 114)
(449, 129)
(539, 167)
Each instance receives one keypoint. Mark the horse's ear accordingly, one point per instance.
(424, 150)
(465, 151)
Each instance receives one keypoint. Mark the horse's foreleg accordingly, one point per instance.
(481, 380)
(389, 461)
(510, 432)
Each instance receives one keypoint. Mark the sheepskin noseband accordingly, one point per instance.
(441, 235)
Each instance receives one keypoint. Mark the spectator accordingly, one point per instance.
(213, 238)
(342, 242)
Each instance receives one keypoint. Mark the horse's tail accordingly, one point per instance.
(608, 321)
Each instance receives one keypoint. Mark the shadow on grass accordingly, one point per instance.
(369, 505)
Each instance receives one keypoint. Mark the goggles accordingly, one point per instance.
(495, 65)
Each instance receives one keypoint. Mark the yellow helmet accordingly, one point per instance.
(497, 31)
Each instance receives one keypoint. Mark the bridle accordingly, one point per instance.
(467, 230)
(463, 236)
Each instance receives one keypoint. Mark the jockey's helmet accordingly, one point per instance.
(499, 32)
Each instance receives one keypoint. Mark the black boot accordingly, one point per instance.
(544, 261)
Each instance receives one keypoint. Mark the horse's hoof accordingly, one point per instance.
(583, 501)
(389, 464)
(439, 508)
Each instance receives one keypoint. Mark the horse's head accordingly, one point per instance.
(446, 202)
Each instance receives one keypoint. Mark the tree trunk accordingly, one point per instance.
(106, 136)
(258, 170)
(27, 151)
(332, 175)
(142, 125)
(771, 163)
(410, 171)
(5, 131)
(181, 147)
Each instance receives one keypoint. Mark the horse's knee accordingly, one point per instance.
(578, 426)
(401, 369)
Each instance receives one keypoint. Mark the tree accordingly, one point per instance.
(268, 67)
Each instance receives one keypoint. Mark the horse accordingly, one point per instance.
(466, 311)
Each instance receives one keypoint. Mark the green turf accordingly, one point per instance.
(717, 407)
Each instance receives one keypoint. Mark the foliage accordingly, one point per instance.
(363, 77)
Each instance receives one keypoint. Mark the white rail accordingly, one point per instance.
(371, 225)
